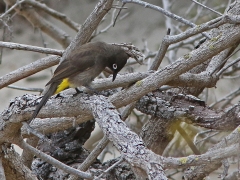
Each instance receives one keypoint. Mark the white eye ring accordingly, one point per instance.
(114, 66)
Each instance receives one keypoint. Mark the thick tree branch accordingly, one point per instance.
(12, 163)
(188, 109)
(225, 40)
(115, 129)
(131, 146)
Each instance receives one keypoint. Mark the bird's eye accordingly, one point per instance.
(114, 66)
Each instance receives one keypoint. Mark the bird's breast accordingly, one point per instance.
(84, 78)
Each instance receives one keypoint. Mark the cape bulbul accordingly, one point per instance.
(82, 66)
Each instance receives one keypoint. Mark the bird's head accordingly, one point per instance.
(117, 62)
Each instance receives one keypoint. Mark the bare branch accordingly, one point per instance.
(109, 169)
(131, 50)
(167, 13)
(37, 21)
(28, 70)
(54, 162)
(206, 7)
(183, 64)
(101, 145)
(131, 146)
(30, 48)
(18, 3)
(25, 89)
(52, 12)
(88, 27)
(161, 53)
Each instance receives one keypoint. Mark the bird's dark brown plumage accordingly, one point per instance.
(84, 64)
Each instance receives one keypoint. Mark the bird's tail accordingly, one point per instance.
(51, 90)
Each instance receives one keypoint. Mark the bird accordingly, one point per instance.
(80, 68)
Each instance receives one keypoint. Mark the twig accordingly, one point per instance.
(42, 38)
(123, 4)
(167, 13)
(110, 168)
(26, 89)
(188, 140)
(38, 21)
(227, 97)
(199, 12)
(167, 40)
(161, 52)
(227, 66)
(231, 77)
(3, 38)
(189, 41)
(26, 156)
(206, 158)
(180, 66)
(110, 25)
(131, 50)
(30, 48)
(94, 154)
(206, 7)
(34, 132)
(90, 24)
(56, 14)
(10, 9)
(28, 70)
(6, 21)
(54, 162)
(228, 56)
(170, 25)
(204, 132)
(118, 7)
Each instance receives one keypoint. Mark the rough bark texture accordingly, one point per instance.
(14, 167)
(188, 108)
(166, 108)
(65, 146)
(158, 138)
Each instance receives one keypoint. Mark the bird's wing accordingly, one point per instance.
(75, 64)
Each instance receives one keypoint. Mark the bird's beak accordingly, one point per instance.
(114, 76)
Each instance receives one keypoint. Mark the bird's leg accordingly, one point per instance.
(58, 95)
(78, 91)
(88, 87)
(92, 89)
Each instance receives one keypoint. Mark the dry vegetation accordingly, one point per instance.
(175, 116)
